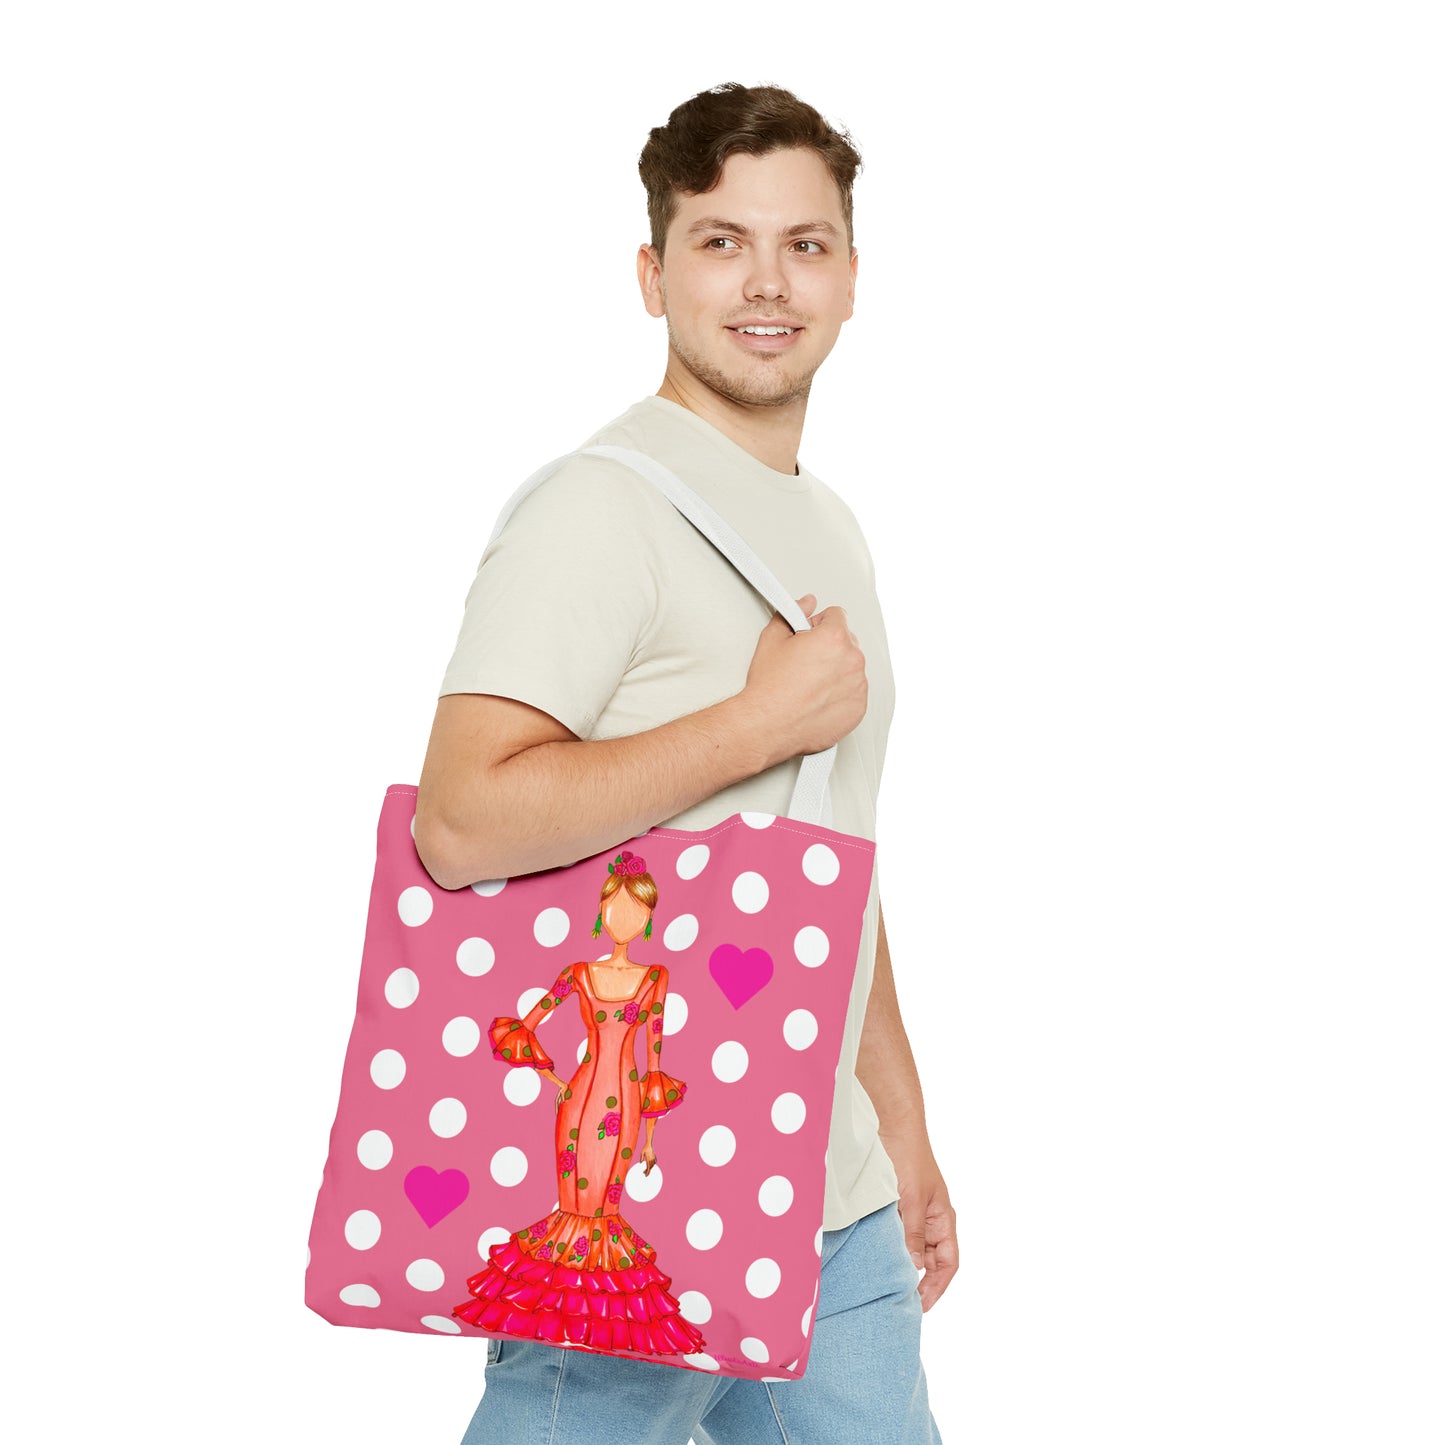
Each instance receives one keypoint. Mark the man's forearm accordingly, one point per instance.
(886, 1070)
(555, 802)
(885, 1066)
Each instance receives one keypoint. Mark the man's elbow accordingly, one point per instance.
(444, 850)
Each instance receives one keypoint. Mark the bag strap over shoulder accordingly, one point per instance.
(810, 802)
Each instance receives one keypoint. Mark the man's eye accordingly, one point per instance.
(816, 245)
(721, 243)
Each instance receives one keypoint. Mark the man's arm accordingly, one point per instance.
(886, 1070)
(506, 789)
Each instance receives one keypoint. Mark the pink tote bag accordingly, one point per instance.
(663, 1202)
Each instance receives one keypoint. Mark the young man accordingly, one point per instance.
(610, 676)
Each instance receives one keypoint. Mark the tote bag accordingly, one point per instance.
(665, 1202)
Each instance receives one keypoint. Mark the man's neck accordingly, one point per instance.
(769, 433)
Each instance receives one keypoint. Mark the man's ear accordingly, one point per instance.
(852, 279)
(649, 280)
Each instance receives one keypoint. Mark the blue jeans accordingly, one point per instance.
(864, 1384)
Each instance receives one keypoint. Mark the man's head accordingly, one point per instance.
(751, 261)
(686, 156)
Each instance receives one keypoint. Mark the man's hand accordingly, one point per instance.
(930, 1226)
(809, 688)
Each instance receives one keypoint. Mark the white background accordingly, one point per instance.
(1141, 411)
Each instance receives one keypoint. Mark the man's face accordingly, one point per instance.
(766, 247)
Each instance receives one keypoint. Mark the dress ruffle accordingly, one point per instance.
(660, 1092)
(515, 1044)
(610, 1297)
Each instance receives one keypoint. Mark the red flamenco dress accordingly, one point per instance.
(582, 1275)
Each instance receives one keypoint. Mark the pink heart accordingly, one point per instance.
(434, 1195)
(740, 975)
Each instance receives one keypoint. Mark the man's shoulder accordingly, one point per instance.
(587, 490)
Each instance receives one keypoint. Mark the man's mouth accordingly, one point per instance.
(767, 330)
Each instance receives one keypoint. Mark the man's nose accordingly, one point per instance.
(766, 280)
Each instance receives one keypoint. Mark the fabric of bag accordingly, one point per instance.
(465, 1194)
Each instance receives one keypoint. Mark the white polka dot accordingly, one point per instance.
(448, 1117)
(694, 1306)
(526, 999)
(475, 956)
(402, 988)
(442, 1325)
(374, 1149)
(680, 933)
(674, 1013)
(701, 1362)
(581, 1049)
(800, 1028)
(807, 1319)
(750, 892)
(759, 820)
(509, 1165)
(818, 1241)
(810, 947)
(820, 864)
(789, 1111)
(717, 1145)
(425, 1274)
(488, 887)
(704, 1228)
(730, 1061)
(495, 1235)
(691, 861)
(363, 1229)
(360, 1294)
(388, 1069)
(754, 1349)
(763, 1278)
(521, 1086)
(414, 906)
(461, 1037)
(640, 1186)
(551, 927)
(775, 1195)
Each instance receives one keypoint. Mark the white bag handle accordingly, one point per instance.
(810, 802)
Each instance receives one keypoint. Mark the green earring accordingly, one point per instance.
(647, 932)
(597, 927)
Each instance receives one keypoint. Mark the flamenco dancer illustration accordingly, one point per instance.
(582, 1274)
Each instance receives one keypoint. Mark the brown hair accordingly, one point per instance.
(639, 885)
(686, 156)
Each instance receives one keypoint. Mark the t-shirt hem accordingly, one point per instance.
(861, 1203)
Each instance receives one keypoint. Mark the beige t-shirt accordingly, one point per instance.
(600, 605)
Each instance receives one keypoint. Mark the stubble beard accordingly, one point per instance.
(778, 389)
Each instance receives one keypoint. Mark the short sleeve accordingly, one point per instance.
(566, 595)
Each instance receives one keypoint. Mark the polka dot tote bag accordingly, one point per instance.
(589, 1107)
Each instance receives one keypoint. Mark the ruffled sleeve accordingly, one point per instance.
(515, 1044)
(514, 1041)
(660, 1093)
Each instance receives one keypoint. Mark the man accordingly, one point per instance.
(610, 676)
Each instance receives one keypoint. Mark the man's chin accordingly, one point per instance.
(777, 390)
